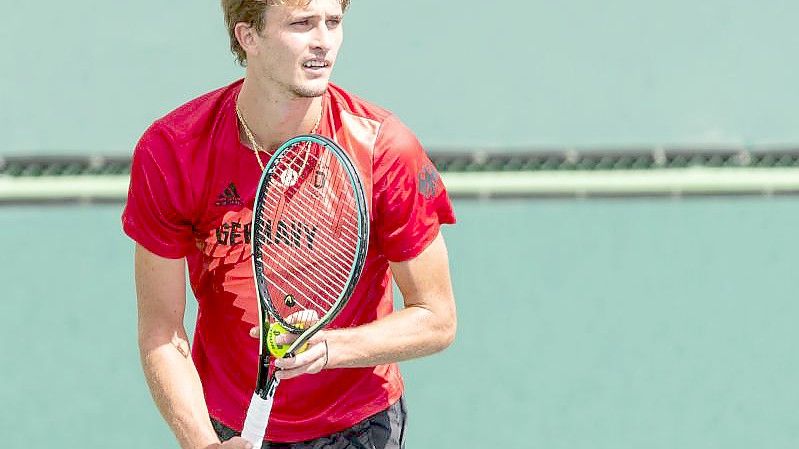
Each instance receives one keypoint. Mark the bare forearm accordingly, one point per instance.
(177, 391)
(403, 335)
(426, 324)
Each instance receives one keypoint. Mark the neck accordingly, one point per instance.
(274, 118)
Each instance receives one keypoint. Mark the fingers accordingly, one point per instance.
(289, 338)
(286, 339)
(303, 318)
(312, 361)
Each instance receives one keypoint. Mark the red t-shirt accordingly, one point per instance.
(192, 188)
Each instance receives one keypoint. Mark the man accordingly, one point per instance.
(193, 181)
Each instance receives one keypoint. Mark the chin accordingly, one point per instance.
(311, 90)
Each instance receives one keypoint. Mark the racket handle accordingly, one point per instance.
(257, 417)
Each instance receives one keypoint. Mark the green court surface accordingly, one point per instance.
(583, 324)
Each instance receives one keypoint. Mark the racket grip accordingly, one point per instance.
(256, 420)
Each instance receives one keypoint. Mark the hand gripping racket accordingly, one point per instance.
(310, 233)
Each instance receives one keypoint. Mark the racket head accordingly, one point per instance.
(310, 235)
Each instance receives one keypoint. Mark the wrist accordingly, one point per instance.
(341, 348)
(327, 356)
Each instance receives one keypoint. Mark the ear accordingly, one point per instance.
(247, 37)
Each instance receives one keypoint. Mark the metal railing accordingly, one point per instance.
(471, 174)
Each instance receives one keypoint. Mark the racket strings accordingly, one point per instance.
(307, 289)
(338, 250)
(329, 283)
(300, 305)
(305, 203)
(325, 280)
(290, 267)
(312, 281)
(302, 294)
(336, 190)
(335, 254)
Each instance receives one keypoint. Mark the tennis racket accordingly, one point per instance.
(310, 233)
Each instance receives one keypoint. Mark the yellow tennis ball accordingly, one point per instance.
(275, 349)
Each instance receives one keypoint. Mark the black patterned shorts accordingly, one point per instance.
(384, 430)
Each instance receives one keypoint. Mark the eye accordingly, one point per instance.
(300, 23)
(332, 23)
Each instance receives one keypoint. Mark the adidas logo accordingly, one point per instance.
(230, 197)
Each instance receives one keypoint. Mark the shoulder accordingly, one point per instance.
(347, 103)
(176, 135)
(194, 119)
(391, 136)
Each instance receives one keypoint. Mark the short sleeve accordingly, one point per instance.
(155, 214)
(410, 201)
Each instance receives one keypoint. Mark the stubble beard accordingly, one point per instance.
(308, 92)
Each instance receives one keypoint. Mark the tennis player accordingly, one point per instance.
(192, 187)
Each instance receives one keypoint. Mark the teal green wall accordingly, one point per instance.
(600, 324)
(89, 76)
(583, 325)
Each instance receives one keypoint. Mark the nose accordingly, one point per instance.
(323, 37)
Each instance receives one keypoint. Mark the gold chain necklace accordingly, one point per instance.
(256, 148)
